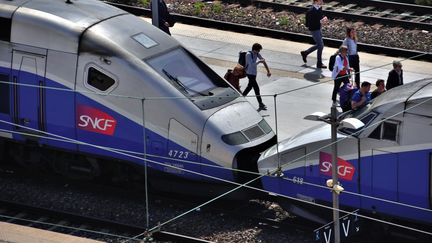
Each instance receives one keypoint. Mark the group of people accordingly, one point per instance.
(353, 98)
(347, 61)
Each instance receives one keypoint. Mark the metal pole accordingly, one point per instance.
(277, 137)
(155, 12)
(334, 124)
(145, 165)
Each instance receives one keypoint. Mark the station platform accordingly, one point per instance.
(23, 234)
(295, 89)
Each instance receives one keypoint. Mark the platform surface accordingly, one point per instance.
(23, 234)
(295, 89)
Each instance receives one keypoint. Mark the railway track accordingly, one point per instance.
(82, 226)
(279, 34)
(368, 11)
(262, 214)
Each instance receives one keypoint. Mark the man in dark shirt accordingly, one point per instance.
(314, 19)
(395, 77)
(166, 20)
(380, 88)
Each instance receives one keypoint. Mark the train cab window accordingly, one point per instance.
(99, 80)
(186, 73)
(4, 94)
(367, 119)
(193, 78)
(387, 130)
(5, 29)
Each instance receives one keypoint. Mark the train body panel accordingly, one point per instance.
(390, 160)
(91, 79)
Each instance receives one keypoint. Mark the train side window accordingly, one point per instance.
(387, 130)
(5, 29)
(4, 94)
(390, 131)
(99, 80)
(376, 133)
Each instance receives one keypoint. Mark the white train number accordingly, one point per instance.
(297, 180)
(178, 154)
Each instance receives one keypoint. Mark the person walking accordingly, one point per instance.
(341, 70)
(351, 42)
(395, 76)
(314, 20)
(166, 20)
(251, 72)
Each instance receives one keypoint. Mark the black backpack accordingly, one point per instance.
(332, 62)
(242, 58)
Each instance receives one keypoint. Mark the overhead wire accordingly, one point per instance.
(101, 147)
(169, 165)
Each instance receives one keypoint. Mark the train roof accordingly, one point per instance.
(408, 94)
(54, 24)
(82, 26)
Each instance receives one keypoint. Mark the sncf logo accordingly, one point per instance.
(345, 170)
(93, 120)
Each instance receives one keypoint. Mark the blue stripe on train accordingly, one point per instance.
(60, 120)
(402, 177)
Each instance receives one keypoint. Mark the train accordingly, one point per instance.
(385, 167)
(88, 90)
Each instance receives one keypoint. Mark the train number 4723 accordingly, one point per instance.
(178, 154)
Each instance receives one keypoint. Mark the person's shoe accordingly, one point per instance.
(262, 107)
(304, 55)
(321, 66)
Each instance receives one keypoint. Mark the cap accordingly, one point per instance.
(343, 47)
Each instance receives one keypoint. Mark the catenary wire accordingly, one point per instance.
(164, 98)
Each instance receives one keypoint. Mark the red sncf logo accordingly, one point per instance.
(345, 170)
(93, 120)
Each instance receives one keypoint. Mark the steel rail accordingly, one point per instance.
(78, 225)
(339, 12)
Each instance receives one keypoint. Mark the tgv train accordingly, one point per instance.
(385, 167)
(98, 86)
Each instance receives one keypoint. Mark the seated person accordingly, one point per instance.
(361, 97)
(345, 94)
(380, 88)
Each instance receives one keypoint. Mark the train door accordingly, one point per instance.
(384, 178)
(28, 90)
(182, 149)
(5, 105)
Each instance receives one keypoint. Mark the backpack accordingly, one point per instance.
(332, 62)
(242, 58)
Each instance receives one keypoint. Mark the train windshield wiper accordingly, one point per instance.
(175, 80)
(179, 83)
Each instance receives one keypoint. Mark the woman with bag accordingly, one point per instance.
(341, 71)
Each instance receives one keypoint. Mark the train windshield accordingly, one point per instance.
(366, 115)
(187, 73)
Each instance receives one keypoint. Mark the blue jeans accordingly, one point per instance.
(319, 45)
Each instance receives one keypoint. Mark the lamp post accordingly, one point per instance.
(352, 123)
(334, 124)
